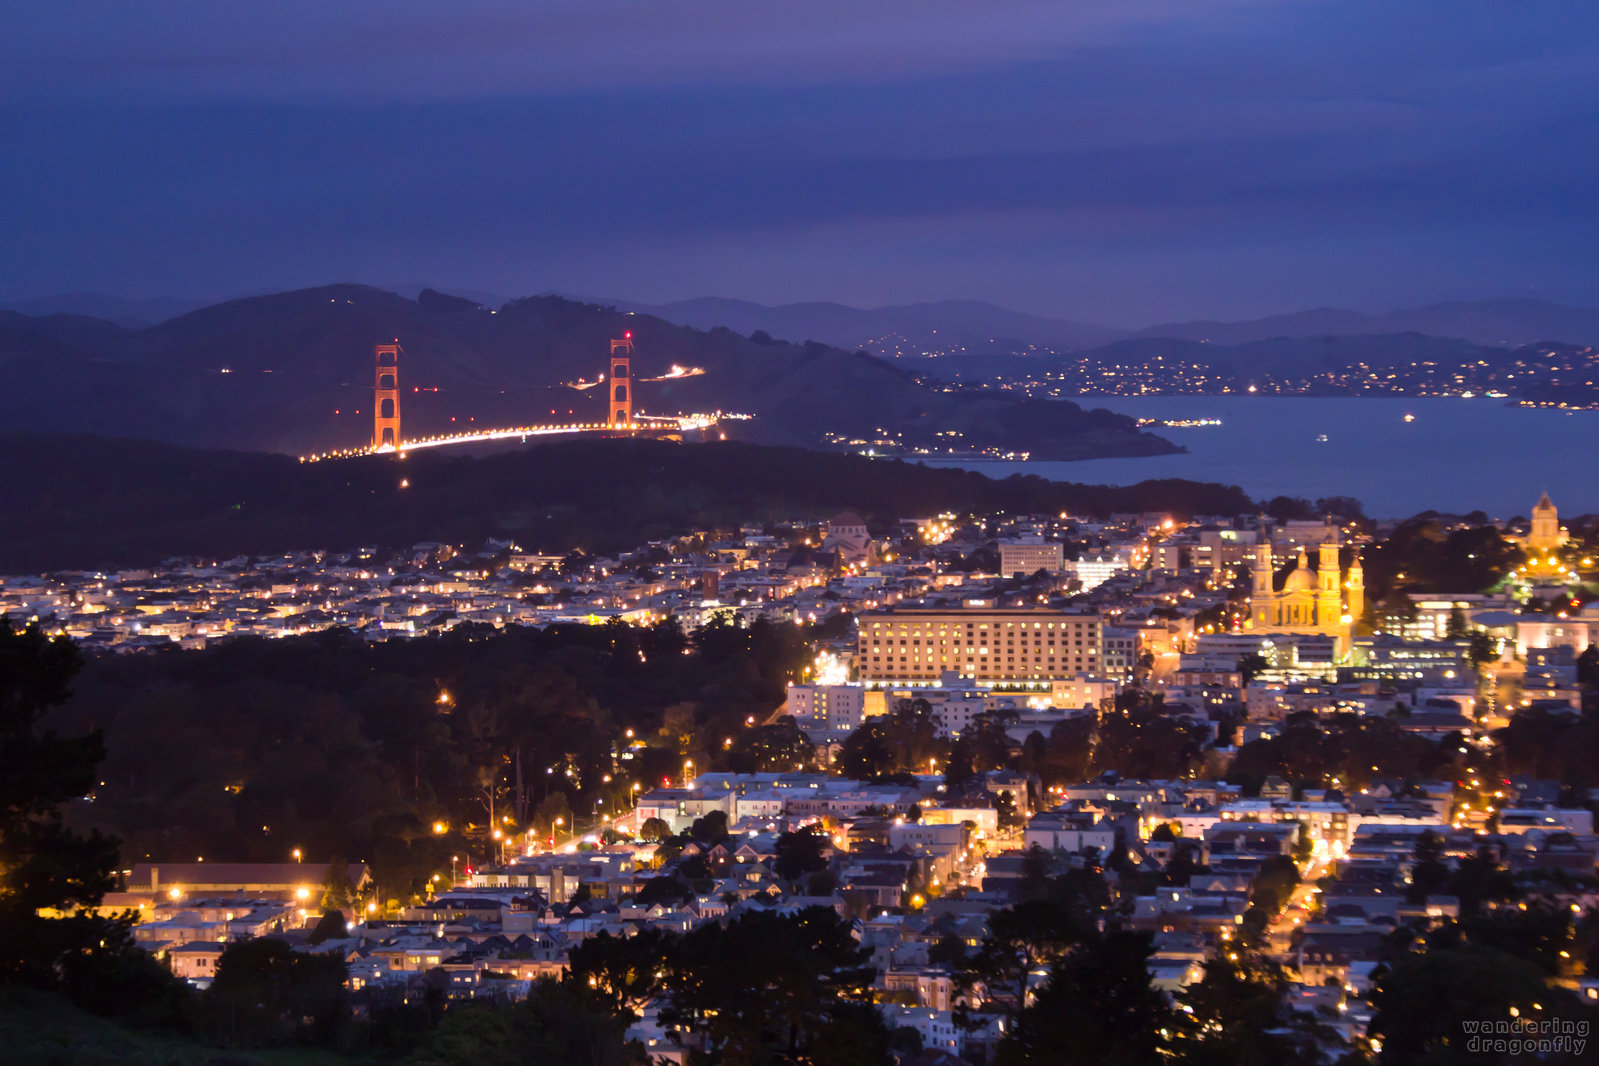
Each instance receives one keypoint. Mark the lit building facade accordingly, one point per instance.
(993, 646)
(1324, 601)
(837, 707)
(1030, 555)
(846, 534)
(1094, 570)
(1545, 535)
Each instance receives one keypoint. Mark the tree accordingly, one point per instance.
(1345, 507)
(768, 986)
(1237, 1015)
(329, 927)
(654, 829)
(898, 742)
(553, 807)
(1478, 878)
(947, 950)
(1009, 817)
(1020, 940)
(1426, 1000)
(560, 1021)
(1275, 883)
(1289, 509)
(265, 992)
(44, 865)
(1097, 1007)
(852, 1034)
(801, 852)
(1252, 666)
(628, 970)
(1428, 871)
(709, 828)
(668, 891)
(780, 747)
(336, 892)
(1588, 666)
(1484, 648)
(1304, 844)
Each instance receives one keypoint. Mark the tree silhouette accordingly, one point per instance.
(44, 865)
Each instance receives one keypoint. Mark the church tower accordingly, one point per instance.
(1544, 536)
(1262, 573)
(1329, 599)
(1357, 589)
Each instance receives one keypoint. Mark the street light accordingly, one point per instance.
(296, 854)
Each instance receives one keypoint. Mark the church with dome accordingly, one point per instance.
(1541, 545)
(1324, 601)
(1545, 534)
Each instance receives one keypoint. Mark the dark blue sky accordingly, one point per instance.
(1119, 161)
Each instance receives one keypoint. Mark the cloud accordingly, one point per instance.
(1165, 157)
(377, 50)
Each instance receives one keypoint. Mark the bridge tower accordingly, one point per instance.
(386, 398)
(621, 385)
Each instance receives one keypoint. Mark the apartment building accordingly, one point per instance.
(995, 646)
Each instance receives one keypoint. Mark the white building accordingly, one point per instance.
(834, 707)
(1094, 570)
(1028, 555)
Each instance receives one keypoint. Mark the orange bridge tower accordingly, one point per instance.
(386, 398)
(622, 382)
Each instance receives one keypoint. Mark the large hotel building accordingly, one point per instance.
(992, 645)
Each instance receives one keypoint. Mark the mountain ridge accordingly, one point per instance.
(973, 327)
(292, 372)
(1505, 321)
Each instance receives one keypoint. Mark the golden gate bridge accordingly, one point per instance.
(386, 439)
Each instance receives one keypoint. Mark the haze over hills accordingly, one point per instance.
(134, 314)
(293, 372)
(945, 325)
(1503, 323)
(970, 327)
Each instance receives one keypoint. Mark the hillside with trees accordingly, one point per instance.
(95, 503)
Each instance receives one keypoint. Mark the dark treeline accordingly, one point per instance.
(94, 502)
(354, 750)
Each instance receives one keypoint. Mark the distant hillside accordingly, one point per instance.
(971, 328)
(1503, 323)
(131, 313)
(912, 329)
(93, 502)
(1400, 364)
(293, 372)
